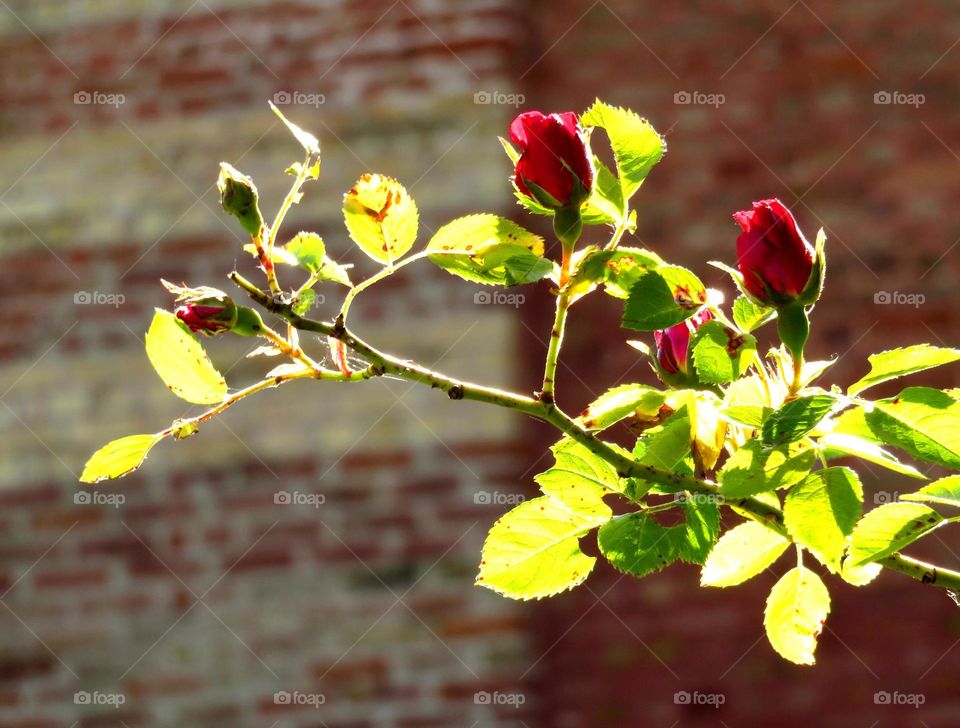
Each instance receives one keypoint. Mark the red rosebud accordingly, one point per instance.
(773, 255)
(673, 344)
(208, 320)
(555, 158)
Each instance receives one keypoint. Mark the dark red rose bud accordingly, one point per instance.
(208, 317)
(673, 344)
(556, 164)
(774, 257)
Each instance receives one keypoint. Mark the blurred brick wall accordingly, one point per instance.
(104, 199)
(367, 599)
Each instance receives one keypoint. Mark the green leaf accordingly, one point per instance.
(895, 363)
(821, 511)
(748, 415)
(945, 491)
(838, 444)
(381, 217)
(797, 418)
(333, 271)
(308, 250)
(621, 402)
(742, 553)
(616, 269)
(636, 544)
(665, 445)
(181, 362)
(749, 316)
(662, 298)
(308, 140)
(304, 302)
(637, 147)
(579, 478)
(720, 354)
(889, 528)
(533, 551)
(606, 200)
(117, 458)
(490, 250)
(921, 421)
(756, 468)
(796, 610)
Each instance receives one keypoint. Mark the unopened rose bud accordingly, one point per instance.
(208, 316)
(777, 262)
(238, 196)
(673, 348)
(556, 164)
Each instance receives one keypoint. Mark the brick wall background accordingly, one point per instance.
(198, 597)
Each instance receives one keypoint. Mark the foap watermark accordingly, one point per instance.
(498, 98)
(96, 498)
(314, 700)
(884, 697)
(98, 298)
(882, 497)
(699, 98)
(82, 697)
(99, 98)
(296, 498)
(896, 298)
(499, 298)
(898, 98)
(699, 499)
(299, 98)
(497, 698)
(487, 498)
(684, 697)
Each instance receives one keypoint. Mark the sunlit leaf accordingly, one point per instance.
(889, 528)
(381, 217)
(117, 458)
(533, 551)
(821, 511)
(181, 362)
(742, 553)
(796, 610)
(895, 363)
(662, 298)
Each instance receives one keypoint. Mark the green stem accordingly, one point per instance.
(553, 348)
(288, 202)
(267, 384)
(559, 323)
(385, 364)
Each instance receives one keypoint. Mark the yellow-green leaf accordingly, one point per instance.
(117, 458)
(182, 363)
(889, 528)
(381, 217)
(742, 553)
(945, 491)
(533, 551)
(895, 363)
(490, 250)
(797, 608)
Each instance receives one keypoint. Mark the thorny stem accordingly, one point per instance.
(266, 262)
(556, 333)
(386, 364)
